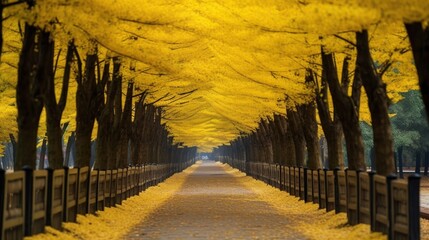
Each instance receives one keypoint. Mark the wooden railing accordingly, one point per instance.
(389, 205)
(32, 199)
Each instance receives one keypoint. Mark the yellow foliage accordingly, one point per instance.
(216, 67)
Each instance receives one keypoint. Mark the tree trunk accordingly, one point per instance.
(54, 111)
(426, 165)
(307, 113)
(125, 128)
(419, 39)
(418, 161)
(331, 126)
(347, 109)
(136, 135)
(400, 162)
(378, 105)
(268, 145)
(286, 149)
(298, 137)
(85, 109)
(29, 99)
(290, 146)
(115, 135)
(14, 144)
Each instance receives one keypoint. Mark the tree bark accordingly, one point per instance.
(290, 144)
(86, 108)
(331, 126)
(55, 110)
(400, 162)
(29, 99)
(347, 108)
(266, 138)
(419, 40)
(298, 137)
(137, 133)
(125, 127)
(307, 113)
(378, 105)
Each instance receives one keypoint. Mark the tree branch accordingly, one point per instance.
(345, 39)
(66, 77)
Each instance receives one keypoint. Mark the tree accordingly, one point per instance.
(29, 95)
(331, 125)
(348, 108)
(378, 105)
(55, 110)
(298, 136)
(419, 39)
(88, 96)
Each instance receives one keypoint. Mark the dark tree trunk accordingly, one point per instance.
(125, 127)
(86, 108)
(331, 126)
(55, 110)
(419, 39)
(418, 162)
(29, 98)
(268, 145)
(286, 149)
(378, 105)
(149, 116)
(400, 162)
(109, 121)
(426, 164)
(307, 113)
(298, 136)
(115, 135)
(372, 159)
(137, 133)
(290, 145)
(14, 144)
(347, 108)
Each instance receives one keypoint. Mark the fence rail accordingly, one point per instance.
(32, 199)
(387, 204)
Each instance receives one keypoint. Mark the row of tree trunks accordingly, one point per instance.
(274, 141)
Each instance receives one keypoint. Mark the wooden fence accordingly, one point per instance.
(389, 205)
(32, 199)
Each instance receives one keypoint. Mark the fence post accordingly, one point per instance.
(337, 191)
(389, 180)
(28, 200)
(414, 206)
(371, 202)
(305, 184)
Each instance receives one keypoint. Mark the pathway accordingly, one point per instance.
(213, 204)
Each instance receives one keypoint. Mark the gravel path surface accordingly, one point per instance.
(212, 204)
